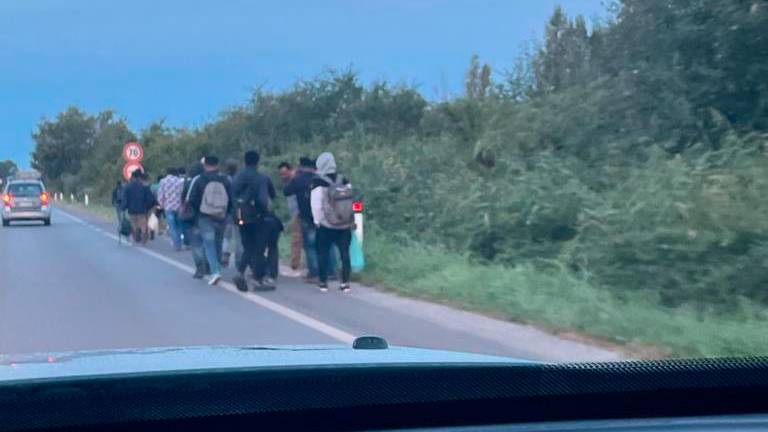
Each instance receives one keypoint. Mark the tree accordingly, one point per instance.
(477, 81)
(62, 144)
(7, 168)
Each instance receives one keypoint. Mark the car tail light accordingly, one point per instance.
(357, 206)
(44, 197)
(7, 200)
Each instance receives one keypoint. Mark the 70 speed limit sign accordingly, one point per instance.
(133, 152)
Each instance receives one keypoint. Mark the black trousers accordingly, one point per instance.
(273, 254)
(254, 239)
(326, 237)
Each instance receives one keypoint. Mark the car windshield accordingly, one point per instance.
(550, 180)
(25, 189)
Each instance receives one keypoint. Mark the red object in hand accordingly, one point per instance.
(357, 206)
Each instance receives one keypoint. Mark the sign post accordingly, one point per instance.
(129, 168)
(133, 154)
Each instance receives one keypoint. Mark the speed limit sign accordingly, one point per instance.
(133, 152)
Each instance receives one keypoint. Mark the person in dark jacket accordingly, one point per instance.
(138, 201)
(250, 190)
(212, 206)
(274, 228)
(190, 234)
(300, 186)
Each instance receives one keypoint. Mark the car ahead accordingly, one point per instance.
(371, 386)
(26, 200)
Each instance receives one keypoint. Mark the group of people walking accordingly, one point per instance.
(221, 215)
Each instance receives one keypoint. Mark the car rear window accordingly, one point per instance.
(25, 189)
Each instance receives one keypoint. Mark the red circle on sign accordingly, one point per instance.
(130, 167)
(133, 152)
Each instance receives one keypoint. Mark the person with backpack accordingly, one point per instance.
(209, 196)
(331, 199)
(300, 187)
(250, 190)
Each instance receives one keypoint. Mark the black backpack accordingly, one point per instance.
(125, 227)
(247, 208)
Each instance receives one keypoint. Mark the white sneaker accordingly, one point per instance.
(214, 279)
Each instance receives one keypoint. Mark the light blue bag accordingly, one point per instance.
(356, 255)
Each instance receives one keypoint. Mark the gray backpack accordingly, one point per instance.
(215, 201)
(337, 205)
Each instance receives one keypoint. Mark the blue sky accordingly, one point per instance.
(185, 60)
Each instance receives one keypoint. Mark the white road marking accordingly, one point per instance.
(287, 312)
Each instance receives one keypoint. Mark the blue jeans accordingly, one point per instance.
(309, 238)
(174, 227)
(212, 236)
(193, 239)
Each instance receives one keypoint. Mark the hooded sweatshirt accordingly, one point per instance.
(326, 169)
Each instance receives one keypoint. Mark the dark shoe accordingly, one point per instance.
(345, 287)
(323, 286)
(199, 273)
(261, 286)
(240, 283)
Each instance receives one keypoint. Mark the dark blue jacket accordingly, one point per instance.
(138, 198)
(301, 186)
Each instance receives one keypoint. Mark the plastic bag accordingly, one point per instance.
(153, 224)
(356, 255)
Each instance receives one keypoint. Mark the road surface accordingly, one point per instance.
(72, 287)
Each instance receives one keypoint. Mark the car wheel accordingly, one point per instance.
(47, 222)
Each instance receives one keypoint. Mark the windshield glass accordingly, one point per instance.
(25, 189)
(549, 180)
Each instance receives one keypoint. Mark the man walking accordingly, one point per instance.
(138, 202)
(287, 172)
(300, 186)
(250, 191)
(169, 197)
(210, 197)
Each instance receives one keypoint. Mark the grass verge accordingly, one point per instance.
(560, 301)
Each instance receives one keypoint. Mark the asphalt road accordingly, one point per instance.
(70, 286)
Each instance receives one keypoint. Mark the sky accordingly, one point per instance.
(186, 60)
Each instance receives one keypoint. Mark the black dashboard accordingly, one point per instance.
(709, 395)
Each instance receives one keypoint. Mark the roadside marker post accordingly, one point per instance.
(86, 200)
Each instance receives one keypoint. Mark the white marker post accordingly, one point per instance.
(71, 197)
(357, 207)
(86, 200)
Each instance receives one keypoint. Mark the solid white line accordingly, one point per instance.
(287, 312)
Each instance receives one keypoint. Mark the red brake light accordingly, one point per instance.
(7, 199)
(357, 206)
(44, 197)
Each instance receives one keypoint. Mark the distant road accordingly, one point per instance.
(72, 287)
